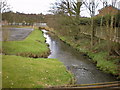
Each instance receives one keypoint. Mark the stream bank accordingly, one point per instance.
(81, 66)
(98, 55)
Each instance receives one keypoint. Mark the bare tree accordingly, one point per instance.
(104, 2)
(67, 7)
(76, 7)
(119, 4)
(63, 7)
(114, 3)
(4, 6)
(91, 5)
(110, 2)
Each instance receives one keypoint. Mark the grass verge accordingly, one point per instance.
(33, 46)
(98, 54)
(25, 72)
(22, 72)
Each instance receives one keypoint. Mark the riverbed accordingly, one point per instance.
(84, 70)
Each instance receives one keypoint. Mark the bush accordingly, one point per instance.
(84, 21)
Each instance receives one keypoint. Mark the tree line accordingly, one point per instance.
(17, 17)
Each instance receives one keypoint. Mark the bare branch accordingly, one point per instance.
(4, 6)
(91, 6)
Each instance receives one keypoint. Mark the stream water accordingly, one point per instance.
(82, 67)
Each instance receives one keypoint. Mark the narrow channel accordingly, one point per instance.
(82, 67)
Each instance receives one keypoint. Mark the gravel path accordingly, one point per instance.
(16, 34)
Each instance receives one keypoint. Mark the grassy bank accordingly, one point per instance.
(26, 72)
(22, 72)
(98, 54)
(33, 46)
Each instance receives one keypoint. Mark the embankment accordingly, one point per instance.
(98, 54)
(21, 67)
(33, 46)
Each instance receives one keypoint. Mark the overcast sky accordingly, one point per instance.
(34, 6)
(38, 6)
(30, 6)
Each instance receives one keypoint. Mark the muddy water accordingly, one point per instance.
(82, 67)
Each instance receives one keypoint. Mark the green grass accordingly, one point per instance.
(22, 72)
(33, 46)
(99, 53)
(103, 64)
(25, 72)
(0, 71)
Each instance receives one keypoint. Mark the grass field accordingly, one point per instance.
(33, 46)
(22, 72)
(26, 72)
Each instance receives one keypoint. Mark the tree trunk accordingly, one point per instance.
(101, 31)
(92, 33)
(109, 33)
